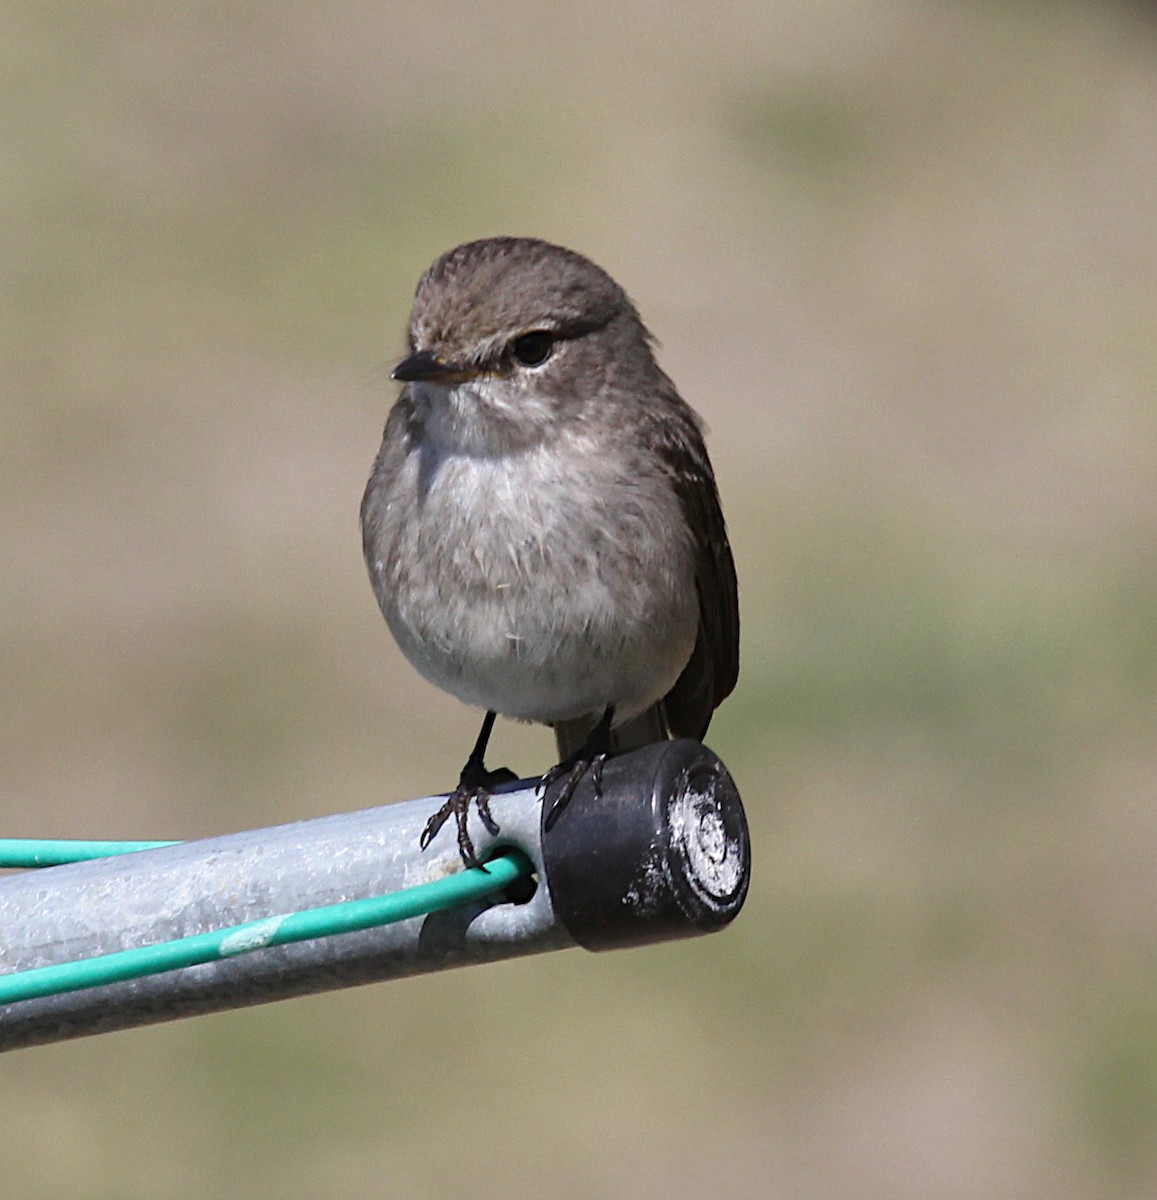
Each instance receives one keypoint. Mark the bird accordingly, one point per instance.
(542, 525)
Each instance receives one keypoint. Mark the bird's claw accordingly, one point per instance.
(570, 773)
(458, 804)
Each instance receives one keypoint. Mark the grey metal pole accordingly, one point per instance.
(662, 852)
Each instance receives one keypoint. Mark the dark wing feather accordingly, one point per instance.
(710, 675)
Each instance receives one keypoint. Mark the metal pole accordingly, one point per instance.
(662, 852)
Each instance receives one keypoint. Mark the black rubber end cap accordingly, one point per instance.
(663, 853)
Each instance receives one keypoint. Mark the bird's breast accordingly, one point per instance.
(544, 584)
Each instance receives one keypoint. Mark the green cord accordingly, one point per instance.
(460, 888)
(55, 852)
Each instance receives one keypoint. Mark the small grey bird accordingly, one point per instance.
(541, 526)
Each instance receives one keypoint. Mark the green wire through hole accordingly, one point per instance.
(509, 871)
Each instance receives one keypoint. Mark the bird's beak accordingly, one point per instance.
(423, 365)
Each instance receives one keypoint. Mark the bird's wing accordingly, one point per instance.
(710, 675)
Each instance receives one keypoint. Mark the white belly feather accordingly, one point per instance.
(502, 592)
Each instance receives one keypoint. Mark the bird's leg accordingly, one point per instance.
(474, 785)
(590, 756)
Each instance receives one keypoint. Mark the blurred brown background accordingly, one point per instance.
(902, 257)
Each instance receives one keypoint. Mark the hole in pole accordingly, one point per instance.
(522, 890)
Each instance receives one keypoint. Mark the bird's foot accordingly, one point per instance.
(569, 773)
(473, 788)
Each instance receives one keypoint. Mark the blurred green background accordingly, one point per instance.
(902, 258)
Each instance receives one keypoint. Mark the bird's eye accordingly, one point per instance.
(532, 349)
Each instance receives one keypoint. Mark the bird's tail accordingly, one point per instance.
(648, 727)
